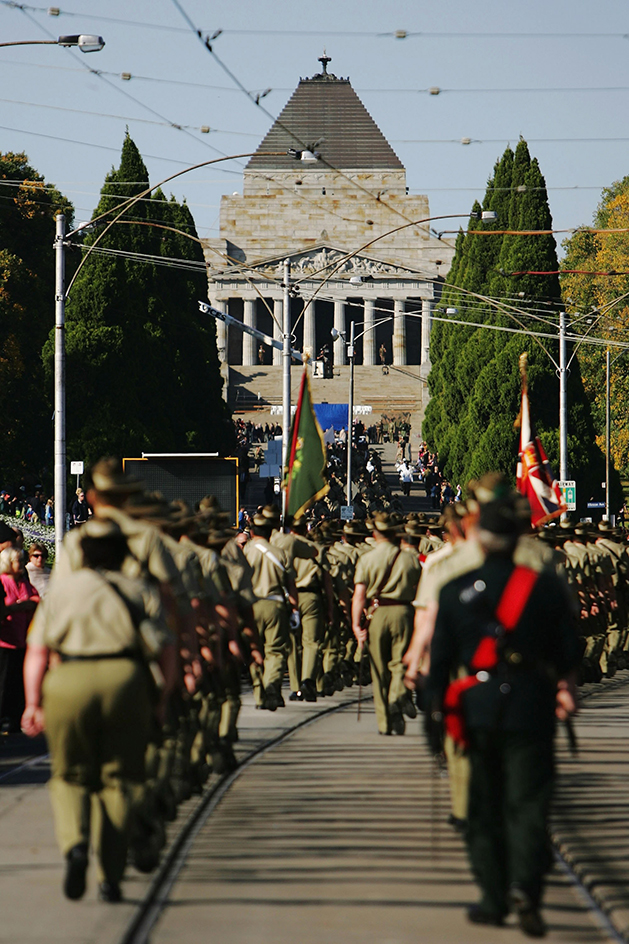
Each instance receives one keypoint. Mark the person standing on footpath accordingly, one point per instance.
(513, 629)
(95, 701)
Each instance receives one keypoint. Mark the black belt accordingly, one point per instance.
(125, 654)
(313, 588)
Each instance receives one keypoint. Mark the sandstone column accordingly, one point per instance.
(278, 308)
(249, 343)
(339, 324)
(222, 332)
(310, 335)
(399, 333)
(369, 337)
(426, 325)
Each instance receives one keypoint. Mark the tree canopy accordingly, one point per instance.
(504, 281)
(27, 313)
(595, 285)
(142, 366)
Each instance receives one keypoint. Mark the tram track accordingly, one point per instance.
(149, 910)
(148, 913)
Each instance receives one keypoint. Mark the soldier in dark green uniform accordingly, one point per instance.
(513, 629)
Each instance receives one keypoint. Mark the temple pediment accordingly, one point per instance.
(322, 260)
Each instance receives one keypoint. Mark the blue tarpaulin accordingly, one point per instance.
(331, 414)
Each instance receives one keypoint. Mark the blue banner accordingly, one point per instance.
(331, 414)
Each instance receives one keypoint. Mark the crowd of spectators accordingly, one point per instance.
(425, 470)
(34, 508)
(22, 585)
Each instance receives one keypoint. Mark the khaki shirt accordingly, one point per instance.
(294, 547)
(270, 567)
(239, 572)
(401, 582)
(309, 571)
(579, 560)
(148, 554)
(188, 565)
(83, 616)
(444, 565)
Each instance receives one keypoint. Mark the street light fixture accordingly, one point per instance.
(86, 42)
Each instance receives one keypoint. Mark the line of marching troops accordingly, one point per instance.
(156, 613)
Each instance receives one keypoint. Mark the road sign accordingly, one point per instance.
(569, 492)
(347, 512)
(76, 468)
(596, 504)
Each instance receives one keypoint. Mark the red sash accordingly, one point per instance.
(510, 607)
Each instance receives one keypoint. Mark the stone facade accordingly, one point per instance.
(351, 233)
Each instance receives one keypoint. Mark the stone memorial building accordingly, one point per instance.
(326, 191)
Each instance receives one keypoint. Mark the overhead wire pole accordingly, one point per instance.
(563, 400)
(350, 412)
(285, 379)
(60, 383)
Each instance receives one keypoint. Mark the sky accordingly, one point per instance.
(555, 72)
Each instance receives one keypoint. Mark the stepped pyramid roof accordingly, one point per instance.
(324, 114)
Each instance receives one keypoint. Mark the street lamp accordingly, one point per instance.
(85, 42)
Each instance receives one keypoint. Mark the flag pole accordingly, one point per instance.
(285, 381)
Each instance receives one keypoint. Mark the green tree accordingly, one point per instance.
(142, 365)
(504, 281)
(595, 285)
(27, 312)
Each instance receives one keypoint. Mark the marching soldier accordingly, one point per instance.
(276, 602)
(512, 628)
(95, 702)
(385, 584)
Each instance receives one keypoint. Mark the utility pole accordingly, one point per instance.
(607, 433)
(60, 383)
(285, 379)
(563, 400)
(350, 412)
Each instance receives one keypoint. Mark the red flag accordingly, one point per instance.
(535, 477)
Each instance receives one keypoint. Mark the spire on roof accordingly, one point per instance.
(324, 59)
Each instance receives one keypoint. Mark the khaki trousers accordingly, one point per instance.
(312, 632)
(272, 621)
(389, 635)
(98, 717)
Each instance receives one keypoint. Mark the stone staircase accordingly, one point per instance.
(253, 391)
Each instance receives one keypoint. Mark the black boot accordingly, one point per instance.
(109, 891)
(76, 867)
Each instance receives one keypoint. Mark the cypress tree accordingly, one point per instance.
(27, 313)
(142, 365)
(475, 377)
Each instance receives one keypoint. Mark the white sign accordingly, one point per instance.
(569, 492)
(76, 468)
(347, 512)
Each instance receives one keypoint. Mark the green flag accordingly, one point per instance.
(305, 480)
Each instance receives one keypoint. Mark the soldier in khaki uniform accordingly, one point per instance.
(96, 701)
(276, 596)
(389, 576)
(295, 548)
(316, 609)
